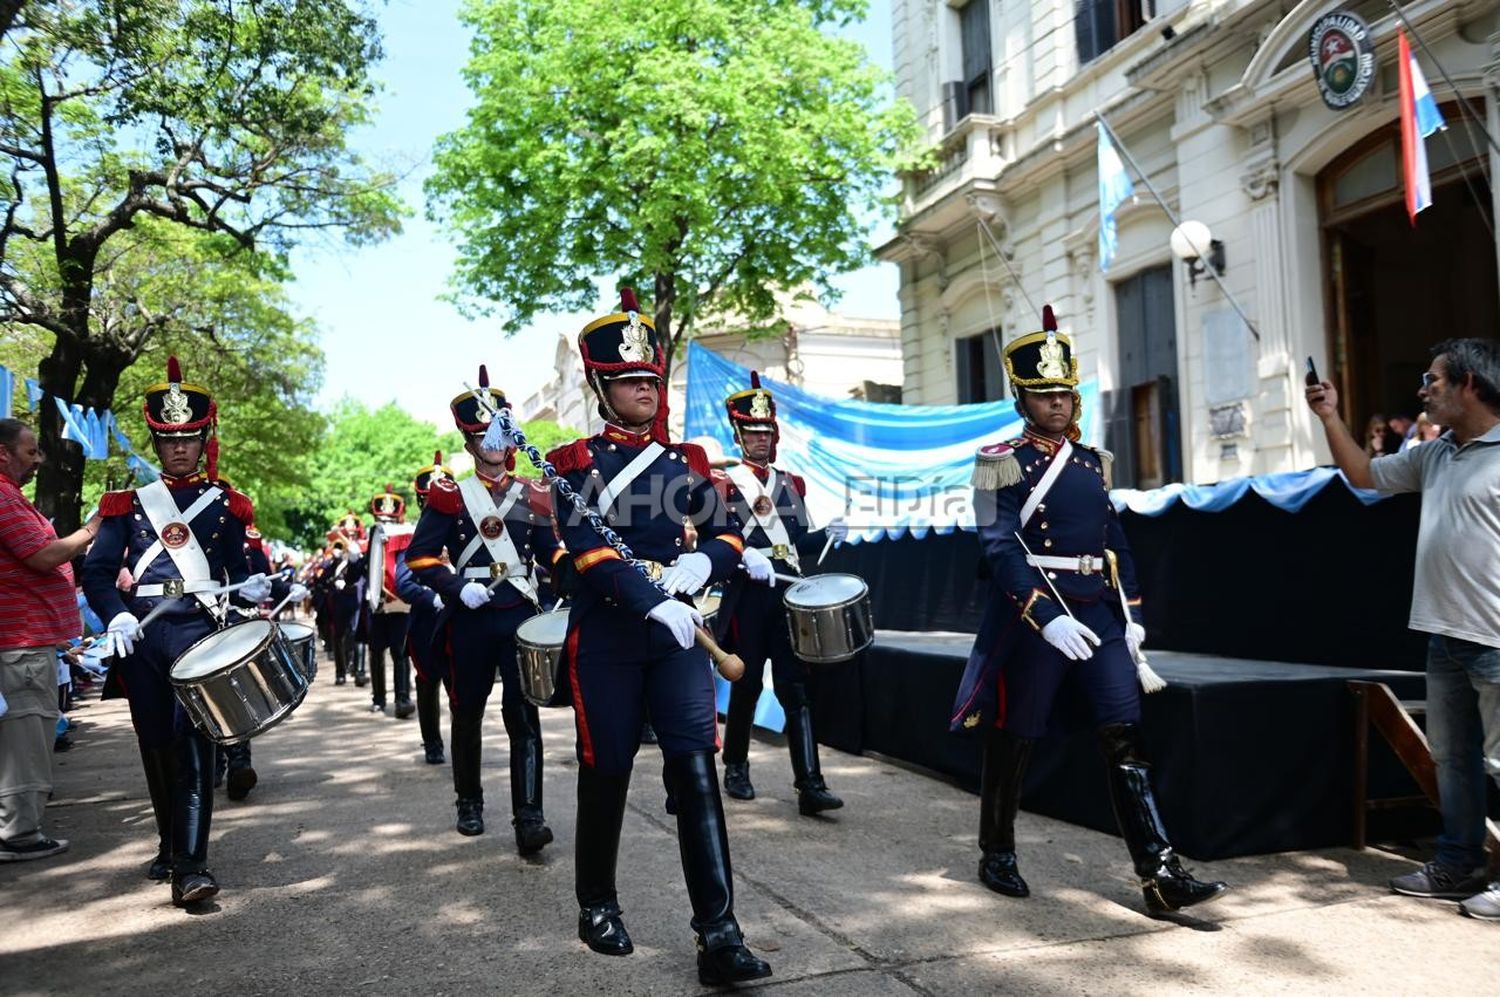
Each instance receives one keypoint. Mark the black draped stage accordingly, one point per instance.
(1256, 618)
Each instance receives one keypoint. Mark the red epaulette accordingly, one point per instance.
(1000, 449)
(240, 506)
(116, 503)
(697, 459)
(539, 497)
(443, 497)
(798, 485)
(574, 456)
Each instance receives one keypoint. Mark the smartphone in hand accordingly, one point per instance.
(1313, 380)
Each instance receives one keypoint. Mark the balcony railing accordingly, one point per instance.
(974, 149)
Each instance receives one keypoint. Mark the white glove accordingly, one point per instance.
(124, 630)
(838, 530)
(474, 595)
(257, 588)
(1071, 638)
(339, 585)
(297, 592)
(688, 574)
(437, 602)
(1135, 636)
(758, 566)
(678, 617)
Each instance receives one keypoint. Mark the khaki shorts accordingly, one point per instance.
(28, 680)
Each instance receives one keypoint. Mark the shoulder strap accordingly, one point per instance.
(618, 485)
(1054, 471)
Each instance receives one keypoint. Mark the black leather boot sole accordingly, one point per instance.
(998, 871)
(241, 781)
(194, 888)
(737, 781)
(732, 964)
(816, 799)
(470, 818)
(532, 836)
(1166, 894)
(405, 708)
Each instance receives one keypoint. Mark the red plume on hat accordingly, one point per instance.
(1049, 320)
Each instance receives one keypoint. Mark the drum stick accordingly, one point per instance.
(165, 604)
(828, 544)
(731, 666)
(789, 579)
(280, 606)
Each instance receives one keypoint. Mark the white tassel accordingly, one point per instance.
(1150, 681)
(496, 438)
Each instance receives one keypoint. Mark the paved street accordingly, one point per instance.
(343, 875)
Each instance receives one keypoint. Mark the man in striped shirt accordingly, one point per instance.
(38, 612)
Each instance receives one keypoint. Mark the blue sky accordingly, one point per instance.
(387, 333)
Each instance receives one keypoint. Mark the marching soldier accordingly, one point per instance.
(631, 643)
(424, 635)
(342, 574)
(181, 537)
(389, 617)
(752, 618)
(497, 529)
(1066, 612)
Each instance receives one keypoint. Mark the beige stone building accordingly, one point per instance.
(1217, 102)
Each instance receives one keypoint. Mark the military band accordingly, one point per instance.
(425, 642)
(389, 612)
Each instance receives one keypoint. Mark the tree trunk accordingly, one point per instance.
(59, 480)
(666, 296)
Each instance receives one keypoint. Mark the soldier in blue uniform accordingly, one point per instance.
(424, 643)
(631, 643)
(180, 537)
(497, 529)
(388, 621)
(752, 618)
(341, 578)
(1065, 616)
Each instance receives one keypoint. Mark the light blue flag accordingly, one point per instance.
(1114, 190)
(7, 387)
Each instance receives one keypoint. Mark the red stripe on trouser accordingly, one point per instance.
(585, 739)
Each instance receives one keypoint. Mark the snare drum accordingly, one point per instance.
(304, 643)
(239, 682)
(539, 643)
(707, 605)
(829, 618)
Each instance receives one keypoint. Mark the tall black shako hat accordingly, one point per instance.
(473, 419)
(422, 483)
(754, 410)
(1044, 362)
(175, 408)
(387, 506)
(624, 344)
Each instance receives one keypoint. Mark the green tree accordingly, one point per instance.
(545, 435)
(710, 152)
(362, 452)
(224, 117)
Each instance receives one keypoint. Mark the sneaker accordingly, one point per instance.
(1484, 906)
(41, 848)
(1438, 882)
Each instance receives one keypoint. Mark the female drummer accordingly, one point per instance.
(631, 643)
(496, 530)
(752, 618)
(181, 538)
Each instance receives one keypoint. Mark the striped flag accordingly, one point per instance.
(1419, 118)
(1114, 190)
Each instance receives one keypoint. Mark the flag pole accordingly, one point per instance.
(1176, 222)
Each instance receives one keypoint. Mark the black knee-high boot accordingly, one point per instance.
(524, 727)
(467, 748)
(704, 843)
(1005, 758)
(601, 812)
(160, 765)
(428, 708)
(1167, 886)
(737, 723)
(242, 777)
(192, 815)
(813, 796)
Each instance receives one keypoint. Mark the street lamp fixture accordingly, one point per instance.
(1194, 244)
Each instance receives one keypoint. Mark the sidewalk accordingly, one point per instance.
(342, 874)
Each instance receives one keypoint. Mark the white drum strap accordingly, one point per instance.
(1054, 471)
(480, 505)
(161, 510)
(750, 487)
(618, 485)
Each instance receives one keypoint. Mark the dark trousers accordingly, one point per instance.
(1106, 684)
(483, 642)
(388, 631)
(757, 632)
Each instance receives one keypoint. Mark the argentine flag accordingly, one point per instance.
(1114, 190)
(1419, 118)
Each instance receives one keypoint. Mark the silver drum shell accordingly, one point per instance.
(243, 697)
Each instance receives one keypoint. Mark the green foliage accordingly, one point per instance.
(545, 435)
(362, 451)
(710, 152)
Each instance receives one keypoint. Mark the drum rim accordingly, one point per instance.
(863, 594)
(272, 635)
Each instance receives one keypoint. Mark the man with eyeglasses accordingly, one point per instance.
(1455, 600)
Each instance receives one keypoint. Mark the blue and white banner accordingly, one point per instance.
(7, 388)
(888, 469)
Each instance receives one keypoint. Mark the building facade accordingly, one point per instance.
(1217, 103)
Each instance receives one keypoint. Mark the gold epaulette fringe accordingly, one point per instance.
(1107, 459)
(994, 471)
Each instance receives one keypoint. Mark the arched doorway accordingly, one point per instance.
(1395, 290)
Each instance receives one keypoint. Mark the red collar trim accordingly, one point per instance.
(492, 483)
(618, 434)
(1045, 444)
(761, 471)
(196, 478)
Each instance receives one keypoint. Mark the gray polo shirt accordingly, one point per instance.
(1457, 586)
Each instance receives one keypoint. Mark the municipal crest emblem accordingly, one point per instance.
(1343, 59)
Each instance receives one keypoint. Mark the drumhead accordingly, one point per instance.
(219, 650)
(295, 632)
(708, 604)
(822, 591)
(545, 630)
